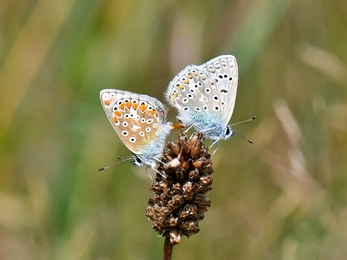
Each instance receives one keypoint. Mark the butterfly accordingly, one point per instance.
(140, 122)
(205, 96)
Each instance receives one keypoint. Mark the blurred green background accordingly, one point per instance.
(282, 198)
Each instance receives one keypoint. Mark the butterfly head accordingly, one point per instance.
(229, 132)
(137, 161)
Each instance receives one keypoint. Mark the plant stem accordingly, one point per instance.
(167, 249)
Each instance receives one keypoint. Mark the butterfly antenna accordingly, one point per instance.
(247, 120)
(113, 164)
(244, 121)
(250, 141)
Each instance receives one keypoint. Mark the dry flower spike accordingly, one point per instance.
(179, 201)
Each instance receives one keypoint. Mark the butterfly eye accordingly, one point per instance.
(229, 132)
(137, 161)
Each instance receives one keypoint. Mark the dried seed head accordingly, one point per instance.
(179, 200)
(174, 148)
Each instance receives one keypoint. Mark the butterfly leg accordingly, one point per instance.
(150, 176)
(159, 161)
(188, 129)
(217, 144)
(154, 169)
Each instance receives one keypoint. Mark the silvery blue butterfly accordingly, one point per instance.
(205, 96)
(140, 122)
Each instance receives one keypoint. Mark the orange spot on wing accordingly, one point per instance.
(152, 112)
(115, 119)
(174, 96)
(185, 81)
(180, 87)
(128, 104)
(117, 113)
(143, 107)
(107, 102)
(121, 106)
(135, 105)
(190, 76)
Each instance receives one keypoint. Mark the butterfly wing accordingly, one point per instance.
(224, 71)
(137, 119)
(205, 95)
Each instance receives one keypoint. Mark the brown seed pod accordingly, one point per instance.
(179, 200)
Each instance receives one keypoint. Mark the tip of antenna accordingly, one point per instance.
(101, 169)
(255, 117)
(250, 141)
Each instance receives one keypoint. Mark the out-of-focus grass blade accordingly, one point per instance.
(257, 26)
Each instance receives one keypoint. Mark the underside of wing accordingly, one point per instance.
(224, 71)
(137, 119)
(207, 92)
